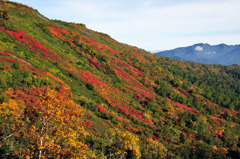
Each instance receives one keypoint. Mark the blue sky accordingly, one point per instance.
(151, 24)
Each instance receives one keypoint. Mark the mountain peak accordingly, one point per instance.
(205, 53)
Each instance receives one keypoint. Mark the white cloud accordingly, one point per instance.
(154, 23)
(198, 48)
(155, 50)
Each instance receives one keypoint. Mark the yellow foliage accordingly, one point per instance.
(129, 142)
(147, 115)
(15, 111)
(154, 147)
(159, 69)
(221, 150)
(54, 71)
(64, 117)
(54, 124)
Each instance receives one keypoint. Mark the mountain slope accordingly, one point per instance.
(68, 91)
(205, 53)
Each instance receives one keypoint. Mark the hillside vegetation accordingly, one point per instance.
(70, 92)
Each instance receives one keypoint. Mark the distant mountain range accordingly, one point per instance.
(205, 53)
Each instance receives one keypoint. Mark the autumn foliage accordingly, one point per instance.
(70, 92)
(53, 124)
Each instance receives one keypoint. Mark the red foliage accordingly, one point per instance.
(22, 67)
(45, 54)
(139, 115)
(123, 109)
(136, 72)
(24, 38)
(215, 118)
(11, 60)
(8, 60)
(129, 128)
(29, 96)
(6, 66)
(30, 42)
(21, 61)
(149, 122)
(90, 78)
(63, 58)
(192, 136)
(94, 61)
(155, 138)
(131, 112)
(136, 112)
(141, 95)
(89, 124)
(121, 73)
(119, 119)
(32, 68)
(3, 58)
(50, 75)
(64, 90)
(183, 91)
(187, 108)
(100, 49)
(101, 108)
(96, 43)
(59, 32)
(184, 107)
(107, 121)
(219, 133)
(23, 7)
(6, 53)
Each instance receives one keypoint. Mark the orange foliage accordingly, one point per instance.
(52, 123)
(220, 150)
